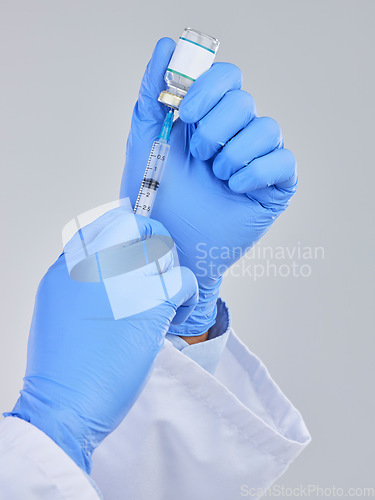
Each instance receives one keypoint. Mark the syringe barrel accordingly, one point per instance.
(152, 177)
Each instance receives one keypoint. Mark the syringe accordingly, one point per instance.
(154, 170)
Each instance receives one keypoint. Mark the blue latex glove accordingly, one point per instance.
(227, 178)
(84, 368)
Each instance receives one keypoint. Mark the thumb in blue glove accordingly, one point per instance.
(85, 369)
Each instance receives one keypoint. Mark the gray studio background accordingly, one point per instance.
(70, 73)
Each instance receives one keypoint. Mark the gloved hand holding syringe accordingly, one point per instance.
(194, 54)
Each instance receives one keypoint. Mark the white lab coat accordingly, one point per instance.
(190, 436)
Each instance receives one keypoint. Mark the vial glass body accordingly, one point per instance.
(193, 55)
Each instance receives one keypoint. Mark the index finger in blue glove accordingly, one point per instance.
(232, 113)
(208, 89)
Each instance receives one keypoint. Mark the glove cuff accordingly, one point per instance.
(55, 423)
(203, 315)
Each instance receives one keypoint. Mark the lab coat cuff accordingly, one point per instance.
(268, 418)
(45, 462)
(229, 429)
(248, 401)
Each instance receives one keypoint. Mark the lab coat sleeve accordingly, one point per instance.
(33, 467)
(193, 435)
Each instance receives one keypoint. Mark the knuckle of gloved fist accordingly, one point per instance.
(188, 111)
(229, 71)
(243, 100)
(202, 135)
(291, 158)
(291, 162)
(290, 168)
(223, 164)
(272, 129)
(256, 173)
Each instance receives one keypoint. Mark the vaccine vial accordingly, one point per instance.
(194, 54)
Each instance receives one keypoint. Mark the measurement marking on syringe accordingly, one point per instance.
(154, 169)
(151, 184)
(151, 178)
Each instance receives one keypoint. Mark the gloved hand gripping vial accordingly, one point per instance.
(193, 55)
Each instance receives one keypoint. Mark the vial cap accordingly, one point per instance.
(169, 99)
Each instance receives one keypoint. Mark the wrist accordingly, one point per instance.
(204, 314)
(195, 339)
(65, 428)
